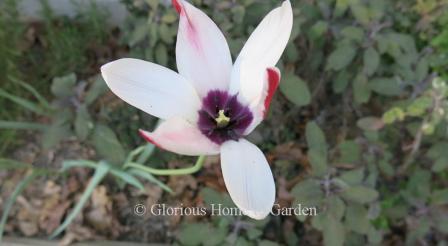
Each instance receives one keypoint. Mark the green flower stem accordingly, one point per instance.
(169, 172)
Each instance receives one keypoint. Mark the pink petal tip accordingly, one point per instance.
(177, 5)
(144, 135)
(273, 82)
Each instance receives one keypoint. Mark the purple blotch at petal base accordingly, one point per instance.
(222, 117)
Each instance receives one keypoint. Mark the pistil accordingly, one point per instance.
(222, 120)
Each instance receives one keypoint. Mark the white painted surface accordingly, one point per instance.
(31, 9)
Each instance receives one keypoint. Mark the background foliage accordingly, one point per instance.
(358, 129)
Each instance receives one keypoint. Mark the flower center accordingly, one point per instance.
(222, 117)
(222, 120)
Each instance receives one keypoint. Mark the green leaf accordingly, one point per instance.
(422, 69)
(333, 231)
(17, 125)
(438, 150)
(418, 187)
(318, 162)
(341, 57)
(353, 177)
(315, 137)
(153, 34)
(165, 35)
(107, 145)
(241, 241)
(295, 90)
(83, 123)
(353, 33)
(370, 123)
(341, 7)
(371, 61)
(238, 13)
(317, 144)
(139, 33)
(361, 89)
(169, 17)
(161, 54)
(439, 197)
(349, 152)
(419, 106)
(440, 165)
(318, 30)
(404, 41)
(440, 222)
(12, 198)
(267, 243)
(361, 13)
(385, 86)
(377, 9)
(336, 207)
(360, 194)
(386, 168)
(100, 172)
(375, 236)
(212, 196)
(64, 86)
(149, 177)
(98, 88)
(318, 222)
(393, 114)
(341, 81)
(254, 233)
(194, 233)
(291, 54)
(356, 219)
(153, 4)
(419, 232)
(308, 193)
(54, 134)
(307, 189)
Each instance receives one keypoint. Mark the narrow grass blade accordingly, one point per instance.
(12, 164)
(17, 125)
(18, 190)
(33, 91)
(150, 178)
(78, 163)
(134, 153)
(146, 154)
(100, 172)
(128, 178)
(23, 102)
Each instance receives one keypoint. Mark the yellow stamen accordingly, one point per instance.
(222, 120)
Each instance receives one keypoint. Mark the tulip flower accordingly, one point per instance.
(211, 104)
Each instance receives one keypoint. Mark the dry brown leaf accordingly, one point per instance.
(180, 183)
(99, 215)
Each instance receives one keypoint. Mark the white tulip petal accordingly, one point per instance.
(262, 50)
(202, 53)
(248, 178)
(152, 88)
(181, 137)
(260, 108)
